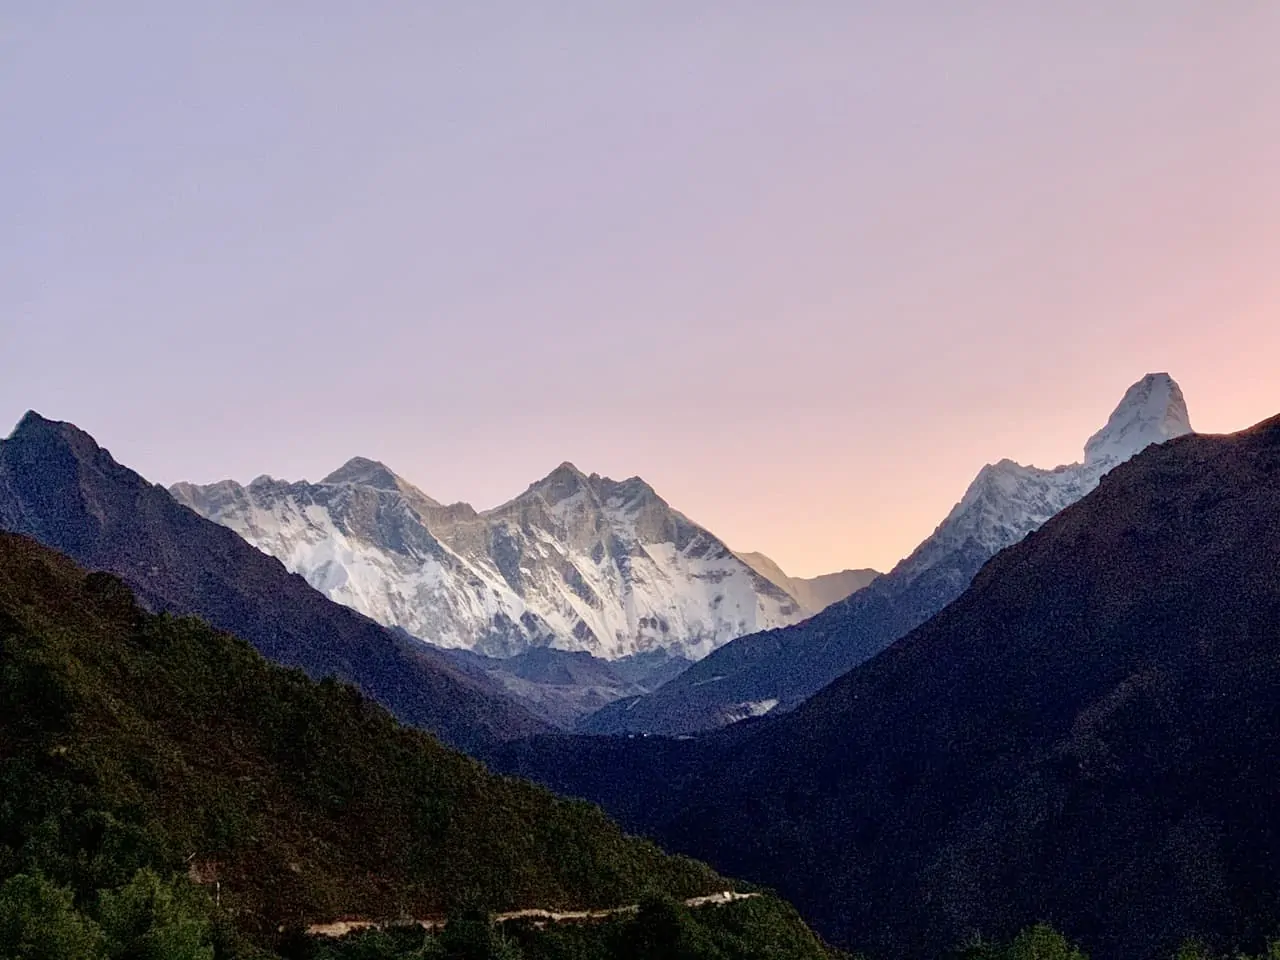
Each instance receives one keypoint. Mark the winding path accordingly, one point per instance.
(340, 928)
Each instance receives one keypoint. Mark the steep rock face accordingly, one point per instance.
(576, 562)
(60, 488)
(1005, 502)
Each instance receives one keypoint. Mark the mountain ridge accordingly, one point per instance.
(1071, 728)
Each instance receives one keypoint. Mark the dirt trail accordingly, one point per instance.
(340, 928)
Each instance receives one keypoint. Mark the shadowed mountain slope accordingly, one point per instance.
(1090, 735)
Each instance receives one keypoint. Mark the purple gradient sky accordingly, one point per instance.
(803, 266)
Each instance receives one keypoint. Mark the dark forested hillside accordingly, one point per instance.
(1090, 736)
(58, 486)
(132, 741)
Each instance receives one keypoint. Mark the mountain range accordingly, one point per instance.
(1082, 731)
(576, 562)
(1087, 736)
(563, 686)
(780, 668)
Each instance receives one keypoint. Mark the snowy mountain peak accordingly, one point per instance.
(369, 473)
(361, 472)
(575, 562)
(1007, 500)
(1153, 410)
(560, 484)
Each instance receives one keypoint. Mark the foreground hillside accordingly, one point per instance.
(130, 741)
(58, 486)
(1088, 736)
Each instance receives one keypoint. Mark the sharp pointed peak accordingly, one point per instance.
(1151, 411)
(565, 476)
(33, 422)
(376, 475)
(564, 481)
(567, 468)
(35, 428)
(30, 420)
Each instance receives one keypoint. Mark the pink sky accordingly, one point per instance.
(804, 267)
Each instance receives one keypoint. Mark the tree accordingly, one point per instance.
(1042, 942)
(150, 919)
(39, 921)
(473, 937)
(664, 929)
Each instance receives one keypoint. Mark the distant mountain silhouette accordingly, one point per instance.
(59, 487)
(814, 594)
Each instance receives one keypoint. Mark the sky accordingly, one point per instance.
(804, 266)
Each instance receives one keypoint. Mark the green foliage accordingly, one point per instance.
(1199, 950)
(662, 929)
(131, 742)
(1038, 942)
(665, 928)
(39, 921)
(150, 919)
(1194, 950)
(472, 937)
(1042, 942)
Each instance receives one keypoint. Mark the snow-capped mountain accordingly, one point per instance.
(1007, 501)
(1003, 504)
(576, 562)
